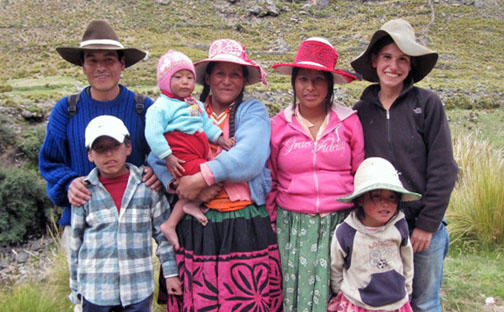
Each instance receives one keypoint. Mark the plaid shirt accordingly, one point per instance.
(111, 252)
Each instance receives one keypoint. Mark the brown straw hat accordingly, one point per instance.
(99, 35)
(404, 37)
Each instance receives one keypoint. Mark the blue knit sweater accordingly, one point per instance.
(63, 154)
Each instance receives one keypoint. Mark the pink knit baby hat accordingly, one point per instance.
(170, 63)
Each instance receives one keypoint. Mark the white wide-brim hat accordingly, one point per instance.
(403, 36)
(230, 51)
(376, 173)
(105, 125)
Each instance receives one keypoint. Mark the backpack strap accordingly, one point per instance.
(72, 101)
(139, 103)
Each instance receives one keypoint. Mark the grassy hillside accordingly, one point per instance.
(469, 39)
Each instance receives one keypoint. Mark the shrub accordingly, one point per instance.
(476, 212)
(30, 143)
(6, 134)
(24, 205)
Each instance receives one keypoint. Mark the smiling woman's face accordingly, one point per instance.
(226, 81)
(392, 66)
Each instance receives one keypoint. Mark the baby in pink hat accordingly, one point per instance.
(177, 130)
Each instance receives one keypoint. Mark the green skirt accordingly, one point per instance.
(304, 242)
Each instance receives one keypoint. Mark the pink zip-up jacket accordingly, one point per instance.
(308, 176)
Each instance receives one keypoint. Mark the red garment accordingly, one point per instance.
(340, 303)
(116, 187)
(193, 148)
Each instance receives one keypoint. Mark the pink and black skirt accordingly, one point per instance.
(231, 264)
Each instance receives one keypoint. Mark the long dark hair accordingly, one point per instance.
(238, 100)
(328, 101)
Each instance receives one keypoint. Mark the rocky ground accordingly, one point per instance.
(28, 262)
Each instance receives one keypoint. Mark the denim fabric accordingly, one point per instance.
(428, 275)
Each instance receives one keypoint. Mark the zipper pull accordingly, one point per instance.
(388, 114)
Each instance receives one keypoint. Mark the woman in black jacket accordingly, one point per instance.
(407, 125)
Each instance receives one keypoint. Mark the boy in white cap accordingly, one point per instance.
(111, 246)
(178, 129)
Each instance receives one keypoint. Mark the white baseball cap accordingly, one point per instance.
(105, 125)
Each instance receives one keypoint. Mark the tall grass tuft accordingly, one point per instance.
(476, 212)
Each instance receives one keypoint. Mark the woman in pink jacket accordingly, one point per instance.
(316, 147)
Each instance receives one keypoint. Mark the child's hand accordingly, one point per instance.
(174, 165)
(226, 143)
(173, 286)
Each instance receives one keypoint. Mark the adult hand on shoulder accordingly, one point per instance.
(78, 194)
(420, 239)
(173, 286)
(150, 179)
(189, 187)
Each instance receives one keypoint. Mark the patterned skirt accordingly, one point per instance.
(304, 241)
(231, 264)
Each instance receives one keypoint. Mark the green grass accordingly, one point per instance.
(470, 277)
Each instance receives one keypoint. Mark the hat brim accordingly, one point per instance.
(340, 76)
(254, 71)
(73, 54)
(406, 195)
(425, 58)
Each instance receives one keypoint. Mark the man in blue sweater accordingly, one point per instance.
(63, 159)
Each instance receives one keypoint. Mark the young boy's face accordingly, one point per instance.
(379, 206)
(109, 156)
(182, 83)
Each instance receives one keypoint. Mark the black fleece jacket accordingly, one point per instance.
(414, 136)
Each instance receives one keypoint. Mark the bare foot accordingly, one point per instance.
(195, 211)
(170, 234)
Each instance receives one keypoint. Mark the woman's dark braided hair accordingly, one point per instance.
(328, 101)
(238, 100)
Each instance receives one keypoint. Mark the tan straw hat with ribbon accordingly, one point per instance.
(230, 51)
(319, 54)
(404, 37)
(99, 35)
(376, 173)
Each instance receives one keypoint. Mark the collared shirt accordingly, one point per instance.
(306, 124)
(111, 252)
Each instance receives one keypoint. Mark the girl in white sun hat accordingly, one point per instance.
(371, 254)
